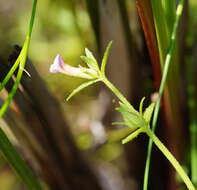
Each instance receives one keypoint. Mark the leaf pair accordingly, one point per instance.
(134, 119)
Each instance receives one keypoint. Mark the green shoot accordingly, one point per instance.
(138, 120)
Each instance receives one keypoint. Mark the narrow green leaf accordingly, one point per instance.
(90, 62)
(105, 58)
(6, 147)
(119, 123)
(141, 106)
(21, 61)
(118, 134)
(132, 135)
(15, 160)
(81, 87)
(148, 112)
(10, 73)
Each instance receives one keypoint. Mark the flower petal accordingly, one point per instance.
(74, 71)
(59, 66)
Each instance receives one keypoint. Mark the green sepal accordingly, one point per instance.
(129, 109)
(141, 106)
(90, 62)
(131, 119)
(148, 112)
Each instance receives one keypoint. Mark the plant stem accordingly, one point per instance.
(161, 89)
(117, 92)
(6, 147)
(22, 60)
(171, 159)
(153, 137)
(10, 73)
(17, 62)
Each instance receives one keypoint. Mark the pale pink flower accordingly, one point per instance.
(59, 66)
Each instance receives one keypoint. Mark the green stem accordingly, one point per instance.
(17, 62)
(153, 137)
(10, 73)
(6, 147)
(171, 159)
(33, 13)
(22, 60)
(117, 92)
(161, 89)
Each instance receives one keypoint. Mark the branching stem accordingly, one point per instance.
(153, 138)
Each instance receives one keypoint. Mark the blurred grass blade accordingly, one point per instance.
(27, 40)
(168, 59)
(161, 29)
(21, 60)
(10, 73)
(170, 13)
(147, 22)
(15, 160)
(191, 92)
(6, 148)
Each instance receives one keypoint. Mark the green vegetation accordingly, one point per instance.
(51, 143)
